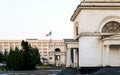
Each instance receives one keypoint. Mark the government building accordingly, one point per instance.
(96, 40)
(51, 51)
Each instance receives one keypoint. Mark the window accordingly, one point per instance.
(44, 48)
(44, 45)
(111, 27)
(57, 50)
(76, 29)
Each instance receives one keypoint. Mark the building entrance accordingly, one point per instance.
(57, 60)
(115, 55)
(57, 57)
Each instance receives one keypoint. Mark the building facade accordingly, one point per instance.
(97, 30)
(52, 51)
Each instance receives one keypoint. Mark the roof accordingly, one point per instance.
(95, 5)
(70, 40)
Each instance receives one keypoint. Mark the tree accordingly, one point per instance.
(15, 60)
(33, 58)
(25, 48)
(24, 59)
(16, 48)
(38, 55)
(30, 57)
(1, 57)
(5, 55)
(9, 59)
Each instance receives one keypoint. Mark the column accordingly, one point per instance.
(119, 56)
(68, 64)
(74, 57)
(107, 55)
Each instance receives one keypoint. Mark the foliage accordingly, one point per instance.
(30, 56)
(5, 55)
(24, 59)
(15, 60)
(37, 55)
(1, 57)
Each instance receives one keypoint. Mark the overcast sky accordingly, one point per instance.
(22, 19)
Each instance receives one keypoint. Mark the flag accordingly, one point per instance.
(49, 34)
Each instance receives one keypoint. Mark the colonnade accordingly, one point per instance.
(72, 57)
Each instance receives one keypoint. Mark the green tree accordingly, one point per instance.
(9, 59)
(15, 60)
(1, 57)
(24, 59)
(25, 48)
(30, 57)
(33, 59)
(5, 55)
(38, 55)
(16, 48)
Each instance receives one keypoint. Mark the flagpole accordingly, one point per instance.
(49, 35)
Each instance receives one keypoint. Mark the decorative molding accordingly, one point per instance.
(94, 6)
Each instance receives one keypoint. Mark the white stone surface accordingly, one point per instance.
(94, 20)
(89, 50)
(90, 18)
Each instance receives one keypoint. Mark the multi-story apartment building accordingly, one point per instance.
(52, 51)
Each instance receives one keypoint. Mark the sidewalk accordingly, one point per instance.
(69, 71)
(40, 71)
(108, 71)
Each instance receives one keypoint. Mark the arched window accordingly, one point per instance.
(111, 27)
(76, 29)
(57, 50)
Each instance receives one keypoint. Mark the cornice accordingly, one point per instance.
(95, 34)
(94, 6)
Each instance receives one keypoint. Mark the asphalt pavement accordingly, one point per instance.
(40, 71)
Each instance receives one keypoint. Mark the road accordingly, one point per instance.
(33, 72)
(40, 71)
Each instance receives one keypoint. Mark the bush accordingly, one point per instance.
(25, 59)
(15, 60)
(1, 57)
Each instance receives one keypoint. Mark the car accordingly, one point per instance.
(2, 64)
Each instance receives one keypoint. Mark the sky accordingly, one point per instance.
(33, 19)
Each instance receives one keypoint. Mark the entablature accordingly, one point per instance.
(94, 6)
(102, 35)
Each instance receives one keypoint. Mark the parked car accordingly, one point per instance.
(2, 64)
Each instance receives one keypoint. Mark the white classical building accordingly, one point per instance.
(97, 30)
